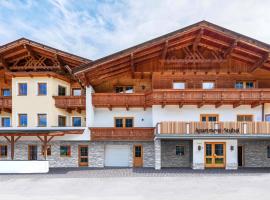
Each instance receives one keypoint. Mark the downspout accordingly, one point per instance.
(263, 112)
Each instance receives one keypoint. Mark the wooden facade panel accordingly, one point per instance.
(181, 128)
(122, 134)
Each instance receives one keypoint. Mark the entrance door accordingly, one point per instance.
(240, 156)
(32, 152)
(215, 155)
(138, 156)
(83, 155)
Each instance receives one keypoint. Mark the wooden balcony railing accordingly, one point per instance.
(122, 134)
(70, 102)
(199, 97)
(119, 100)
(6, 103)
(182, 128)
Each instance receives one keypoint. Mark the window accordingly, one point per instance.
(3, 150)
(268, 151)
(179, 150)
(6, 92)
(76, 92)
(124, 89)
(209, 118)
(76, 121)
(42, 89)
(179, 85)
(61, 90)
(22, 89)
(244, 84)
(49, 150)
(244, 118)
(65, 151)
(124, 122)
(267, 118)
(23, 120)
(208, 85)
(42, 120)
(61, 120)
(5, 122)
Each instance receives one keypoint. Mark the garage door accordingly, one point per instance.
(116, 155)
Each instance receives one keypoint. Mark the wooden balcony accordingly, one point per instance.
(208, 128)
(6, 104)
(122, 134)
(70, 102)
(111, 100)
(199, 97)
(217, 97)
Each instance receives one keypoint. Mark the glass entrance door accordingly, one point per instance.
(214, 155)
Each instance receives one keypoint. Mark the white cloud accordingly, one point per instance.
(96, 28)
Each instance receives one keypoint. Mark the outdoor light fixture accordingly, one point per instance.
(199, 147)
(232, 148)
(143, 87)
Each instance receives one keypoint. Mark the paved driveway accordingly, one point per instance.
(123, 184)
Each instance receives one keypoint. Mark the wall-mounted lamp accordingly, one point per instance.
(199, 147)
(143, 87)
(232, 148)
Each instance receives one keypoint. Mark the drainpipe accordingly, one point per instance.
(263, 112)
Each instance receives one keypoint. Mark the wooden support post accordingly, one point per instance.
(12, 142)
(45, 147)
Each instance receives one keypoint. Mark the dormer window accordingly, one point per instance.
(124, 89)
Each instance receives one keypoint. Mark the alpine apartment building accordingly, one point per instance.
(198, 97)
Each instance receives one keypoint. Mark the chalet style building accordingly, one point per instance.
(198, 97)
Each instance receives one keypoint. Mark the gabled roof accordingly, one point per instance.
(203, 33)
(23, 47)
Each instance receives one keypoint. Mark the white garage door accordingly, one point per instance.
(116, 155)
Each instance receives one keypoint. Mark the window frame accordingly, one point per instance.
(265, 116)
(38, 117)
(69, 151)
(207, 117)
(124, 121)
(74, 89)
(5, 89)
(19, 91)
(214, 85)
(181, 82)
(6, 146)
(242, 115)
(2, 119)
(72, 122)
(19, 119)
(179, 154)
(124, 89)
(38, 88)
(65, 120)
(245, 84)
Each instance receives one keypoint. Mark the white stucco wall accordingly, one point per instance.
(192, 113)
(105, 118)
(198, 155)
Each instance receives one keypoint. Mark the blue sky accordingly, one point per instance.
(95, 28)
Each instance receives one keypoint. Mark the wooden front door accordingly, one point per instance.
(138, 156)
(215, 154)
(83, 155)
(32, 152)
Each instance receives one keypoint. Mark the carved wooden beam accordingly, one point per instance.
(30, 51)
(196, 60)
(4, 63)
(260, 62)
(228, 52)
(197, 40)
(164, 53)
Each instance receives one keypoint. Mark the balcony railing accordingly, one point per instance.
(119, 100)
(204, 128)
(200, 97)
(122, 134)
(70, 102)
(6, 103)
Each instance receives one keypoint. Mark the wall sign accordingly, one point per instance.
(218, 130)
